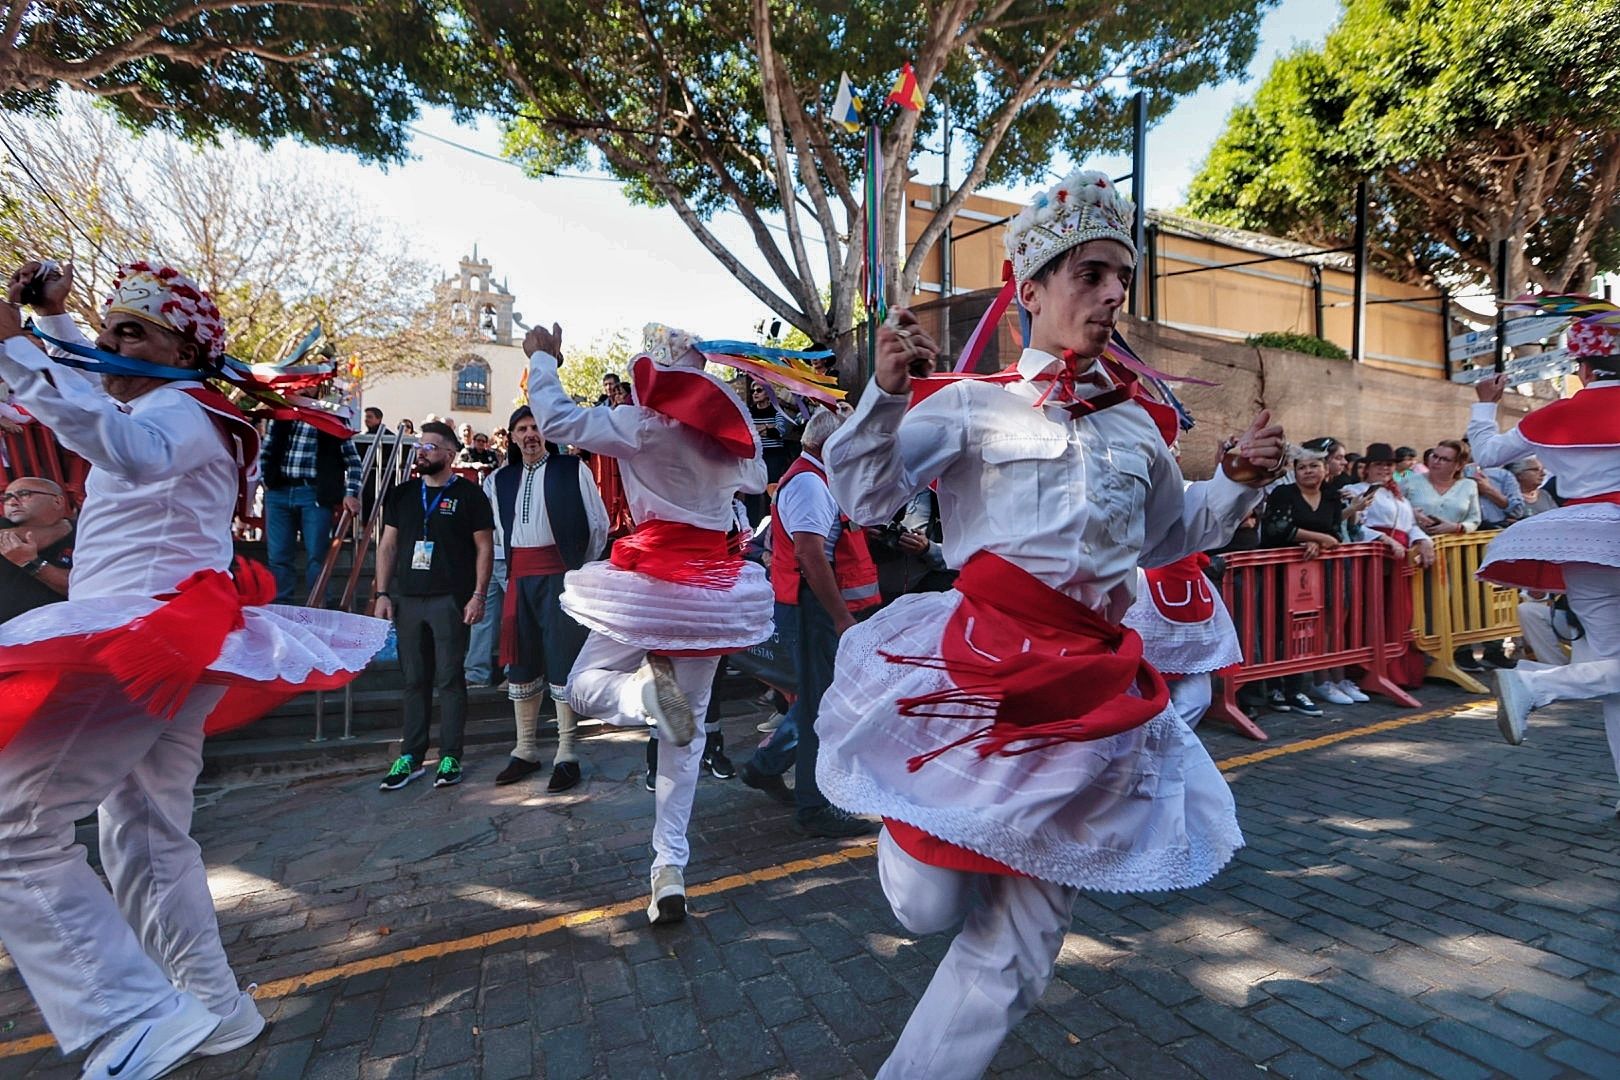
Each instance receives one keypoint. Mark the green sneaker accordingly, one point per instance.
(403, 771)
(449, 772)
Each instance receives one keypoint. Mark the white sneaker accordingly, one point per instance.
(1512, 705)
(770, 724)
(239, 1027)
(153, 1047)
(1352, 691)
(661, 699)
(668, 903)
(1330, 692)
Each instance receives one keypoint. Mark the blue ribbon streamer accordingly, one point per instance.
(87, 358)
(764, 352)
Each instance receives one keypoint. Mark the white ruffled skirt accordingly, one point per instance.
(1141, 811)
(664, 616)
(1179, 648)
(1529, 554)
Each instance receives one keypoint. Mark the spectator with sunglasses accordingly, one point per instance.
(36, 540)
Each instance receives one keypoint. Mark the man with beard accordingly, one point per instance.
(550, 519)
(433, 566)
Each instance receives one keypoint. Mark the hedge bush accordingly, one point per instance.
(1303, 343)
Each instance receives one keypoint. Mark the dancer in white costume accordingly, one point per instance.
(105, 698)
(1574, 549)
(1009, 731)
(1187, 633)
(675, 595)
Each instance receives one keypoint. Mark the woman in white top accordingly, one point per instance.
(1444, 501)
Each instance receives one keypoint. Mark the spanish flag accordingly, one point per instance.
(906, 93)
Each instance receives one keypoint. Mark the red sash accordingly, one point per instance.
(524, 563)
(1590, 418)
(683, 554)
(1584, 500)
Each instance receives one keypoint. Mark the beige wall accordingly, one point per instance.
(1229, 303)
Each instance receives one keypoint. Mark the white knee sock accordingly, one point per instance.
(527, 713)
(567, 721)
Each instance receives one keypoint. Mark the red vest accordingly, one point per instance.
(853, 567)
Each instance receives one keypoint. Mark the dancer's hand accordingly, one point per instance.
(11, 324)
(904, 352)
(1490, 390)
(540, 339)
(53, 292)
(1257, 456)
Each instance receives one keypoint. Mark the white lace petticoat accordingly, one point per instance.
(649, 613)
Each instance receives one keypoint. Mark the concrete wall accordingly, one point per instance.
(1356, 403)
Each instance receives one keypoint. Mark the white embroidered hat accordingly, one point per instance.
(1084, 206)
(670, 347)
(163, 296)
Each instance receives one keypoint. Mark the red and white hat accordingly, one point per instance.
(1589, 339)
(163, 296)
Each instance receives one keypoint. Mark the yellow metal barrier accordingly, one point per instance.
(1452, 608)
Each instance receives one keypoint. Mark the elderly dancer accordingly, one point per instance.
(1574, 549)
(1009, 731)
(676, 594)
(105, 698)
(551, 519)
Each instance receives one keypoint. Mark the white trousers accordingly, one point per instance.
(1190, 696)
(94, 960)
(1541, 629)
(1594, 597)
(600, 686)
(995, 971)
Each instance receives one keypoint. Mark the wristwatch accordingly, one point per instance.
(34, 566)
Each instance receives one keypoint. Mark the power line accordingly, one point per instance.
(72, 223)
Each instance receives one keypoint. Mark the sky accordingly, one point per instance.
(577, 252)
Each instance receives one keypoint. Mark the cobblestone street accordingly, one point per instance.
(1417, 899)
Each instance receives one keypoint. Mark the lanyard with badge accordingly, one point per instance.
(422, 556)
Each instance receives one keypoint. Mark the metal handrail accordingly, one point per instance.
(401, 453)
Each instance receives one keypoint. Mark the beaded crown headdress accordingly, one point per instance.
(1084, 206)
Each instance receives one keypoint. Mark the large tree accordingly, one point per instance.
(1475, 121)
(332, 72)
(724, 105)
(278, 248)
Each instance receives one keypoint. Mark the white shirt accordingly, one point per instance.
(533, 529)
(1078, 503)
(1582, 471)
(805, 504)
(670, 471)
(162, 487)
(1389, 511)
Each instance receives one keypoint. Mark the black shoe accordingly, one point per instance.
(564, 775)
(1496, 658)
(1302, 704)
(834, 824)
(1466, 662)
(449, 772)
(715, 761)
(773, 786)
(516, 769)
(651, 780)
(403, 771)
(1277, 701)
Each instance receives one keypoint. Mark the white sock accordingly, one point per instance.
(527, 714)
(567, 721)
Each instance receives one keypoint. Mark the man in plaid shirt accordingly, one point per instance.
(307, 475)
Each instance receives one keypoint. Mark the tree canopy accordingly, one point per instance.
(724, 106)
(327, 72)
(1474, 121)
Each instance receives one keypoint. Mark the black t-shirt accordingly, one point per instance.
(21, 591)
(1287, 512)
(460, 512)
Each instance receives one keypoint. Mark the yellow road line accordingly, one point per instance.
(284, 987)
(1351, 733)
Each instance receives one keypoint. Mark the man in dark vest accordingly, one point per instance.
(307, 474)
(550, 518)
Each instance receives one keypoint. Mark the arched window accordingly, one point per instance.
(472, 385)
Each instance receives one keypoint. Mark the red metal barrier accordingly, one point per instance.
(1294, 615)
(33, 451)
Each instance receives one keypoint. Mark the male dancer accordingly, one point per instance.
(1574, 549)
(104, 697)
(1009, 731)
(676, 593)
(552, 520)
